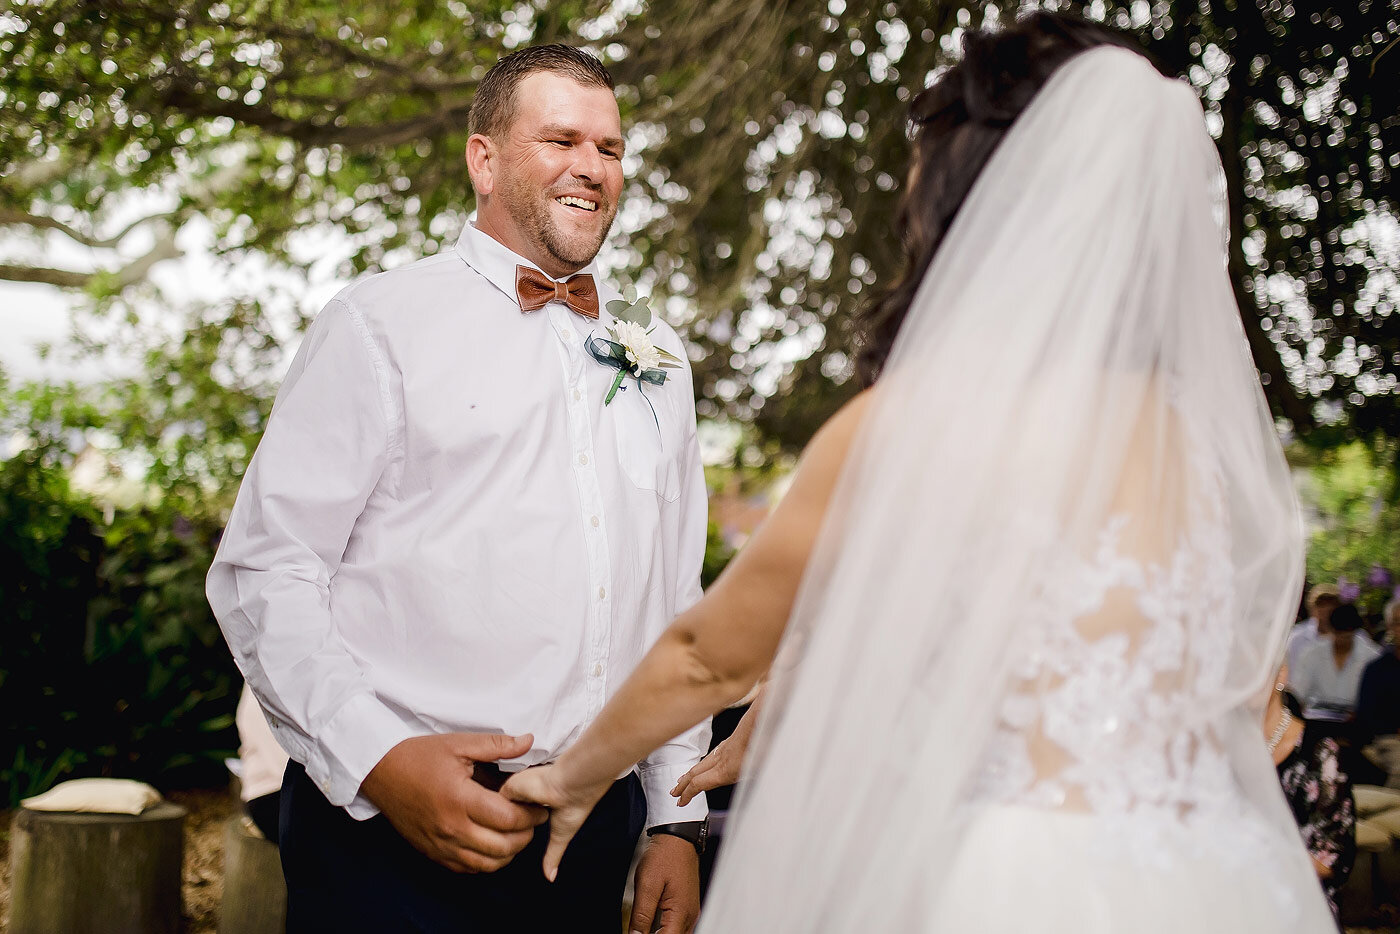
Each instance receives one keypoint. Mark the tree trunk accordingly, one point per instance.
(255, 895)
(97, 873)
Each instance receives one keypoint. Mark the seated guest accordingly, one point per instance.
(1317, 788)
(1328, 677)
(263, 763)
(1322, 600)
(1378, 702)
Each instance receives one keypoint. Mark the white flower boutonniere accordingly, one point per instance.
(631, 351)
(641, 352)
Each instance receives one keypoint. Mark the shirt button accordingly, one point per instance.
(602, 593)
(567, 334)
(597, 671)
(577, 395)
(593, 521)
(583, 459)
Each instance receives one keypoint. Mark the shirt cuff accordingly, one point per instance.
(349, 746)
(657, 782)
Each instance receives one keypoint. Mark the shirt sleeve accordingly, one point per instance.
(663, 768)
(327, 444)
(1300, 679)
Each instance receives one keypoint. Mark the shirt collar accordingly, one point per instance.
(497, 262)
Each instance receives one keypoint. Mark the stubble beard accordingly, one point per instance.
(530, 211)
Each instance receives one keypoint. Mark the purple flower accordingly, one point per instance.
(1378, 577)
(1347, 590)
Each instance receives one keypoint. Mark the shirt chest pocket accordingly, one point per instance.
(648, 438)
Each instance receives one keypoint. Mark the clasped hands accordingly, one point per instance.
(424, 788)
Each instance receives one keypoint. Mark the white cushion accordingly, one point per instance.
(96, 795)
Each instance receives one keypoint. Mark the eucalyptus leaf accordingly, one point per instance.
(635, 311)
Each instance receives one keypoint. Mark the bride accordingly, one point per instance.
(1026, 593)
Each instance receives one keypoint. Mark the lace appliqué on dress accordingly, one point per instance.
(1107, 722)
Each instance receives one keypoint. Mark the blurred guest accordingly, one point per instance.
(1322, 600)
(1378, 703)
(1328, 677)
(263, 764)
(1317, 789)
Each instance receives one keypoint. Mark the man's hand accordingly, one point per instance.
(666, 894)
(424, 787)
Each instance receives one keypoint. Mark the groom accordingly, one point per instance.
(448, 552)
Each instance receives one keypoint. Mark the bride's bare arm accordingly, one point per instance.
(715, 652)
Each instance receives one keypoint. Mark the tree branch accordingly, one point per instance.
(13, 217)
(63, 278)
(183, 97)
(132, 272)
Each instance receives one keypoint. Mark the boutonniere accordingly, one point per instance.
(630, 350)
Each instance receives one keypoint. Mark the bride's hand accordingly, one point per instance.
(568, 807)
(724, 763)
(719, 768)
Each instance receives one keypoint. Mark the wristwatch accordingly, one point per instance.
(694, 832)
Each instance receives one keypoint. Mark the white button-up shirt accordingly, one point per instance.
(444, 529)
(1304, 636)
(1325, 691)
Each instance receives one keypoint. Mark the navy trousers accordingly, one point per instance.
(347, 875)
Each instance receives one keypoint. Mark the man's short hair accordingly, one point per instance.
(493, 109)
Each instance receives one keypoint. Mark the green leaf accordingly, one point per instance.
(214, 724)
(636, 312)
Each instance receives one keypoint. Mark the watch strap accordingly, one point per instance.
(694, 832)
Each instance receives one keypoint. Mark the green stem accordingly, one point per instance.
(621, 374)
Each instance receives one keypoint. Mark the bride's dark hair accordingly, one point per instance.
(957, 123)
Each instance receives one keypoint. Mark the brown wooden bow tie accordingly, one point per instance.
(535, 290)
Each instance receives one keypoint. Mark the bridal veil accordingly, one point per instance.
(1063, 554)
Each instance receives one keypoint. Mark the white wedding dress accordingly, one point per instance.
(1020, 691)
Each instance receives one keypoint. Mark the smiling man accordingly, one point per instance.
(448, 552)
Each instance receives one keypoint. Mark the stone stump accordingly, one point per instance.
(255, 895)
(97, 873)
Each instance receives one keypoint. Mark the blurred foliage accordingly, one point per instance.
(185, 423)
(112, 662)
(1352, 488)
(718, 554)
(768, 146)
